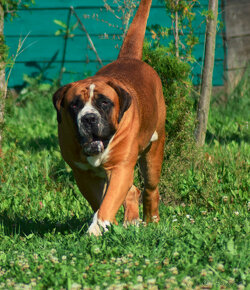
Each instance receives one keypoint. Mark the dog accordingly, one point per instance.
(108, 122)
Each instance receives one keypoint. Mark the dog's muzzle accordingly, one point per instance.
(88, 126)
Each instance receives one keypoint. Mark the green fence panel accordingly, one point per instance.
(44, 51)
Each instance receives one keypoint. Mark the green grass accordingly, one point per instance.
(201, 242)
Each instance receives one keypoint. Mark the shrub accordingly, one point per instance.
(180, 148)
(201, 176)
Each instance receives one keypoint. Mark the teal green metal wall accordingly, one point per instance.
(44, 51)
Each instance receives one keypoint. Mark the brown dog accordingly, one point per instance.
(109, 121)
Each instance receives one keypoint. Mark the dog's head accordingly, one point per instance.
(94, 109)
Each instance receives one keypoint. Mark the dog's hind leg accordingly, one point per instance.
(131, 206)
(150, 165)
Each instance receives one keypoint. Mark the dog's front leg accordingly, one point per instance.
(120, 181)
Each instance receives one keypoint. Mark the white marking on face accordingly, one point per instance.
(154, 137)
(91, 91)
(98, 226)
(100, 158)
(88, 108)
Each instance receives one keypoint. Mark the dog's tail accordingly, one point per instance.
(133, 41)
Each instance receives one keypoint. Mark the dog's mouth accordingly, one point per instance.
(93, 146)
(93, 140)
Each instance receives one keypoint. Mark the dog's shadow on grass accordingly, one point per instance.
(23, 226)
(228, 139)
(38, 144)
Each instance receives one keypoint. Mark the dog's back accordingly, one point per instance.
(137, 77)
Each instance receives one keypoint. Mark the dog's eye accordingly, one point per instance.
(73, 106)
(104, 103)
(76, 104)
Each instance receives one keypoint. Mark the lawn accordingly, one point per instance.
(201, 241)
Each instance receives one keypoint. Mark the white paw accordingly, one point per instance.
(98, 226)
(135, 222)
(155, 219)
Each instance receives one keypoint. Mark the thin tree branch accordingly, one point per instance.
(7, 11)
(65, 46)
(88, 36)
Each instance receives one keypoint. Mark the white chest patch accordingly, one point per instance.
(99, 172)
(97, 160)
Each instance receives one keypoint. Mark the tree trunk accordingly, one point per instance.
(207, 75)
(2, 76)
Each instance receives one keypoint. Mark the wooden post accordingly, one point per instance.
(2, 76)
(176, 35)
(207, 74)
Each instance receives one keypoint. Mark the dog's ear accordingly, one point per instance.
(124, 99)
(58, 100)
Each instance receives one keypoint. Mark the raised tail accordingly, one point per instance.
(133, 41)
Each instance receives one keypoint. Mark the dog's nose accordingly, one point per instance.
(89, 118)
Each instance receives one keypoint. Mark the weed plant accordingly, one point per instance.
(180, 149)
(201, 241)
